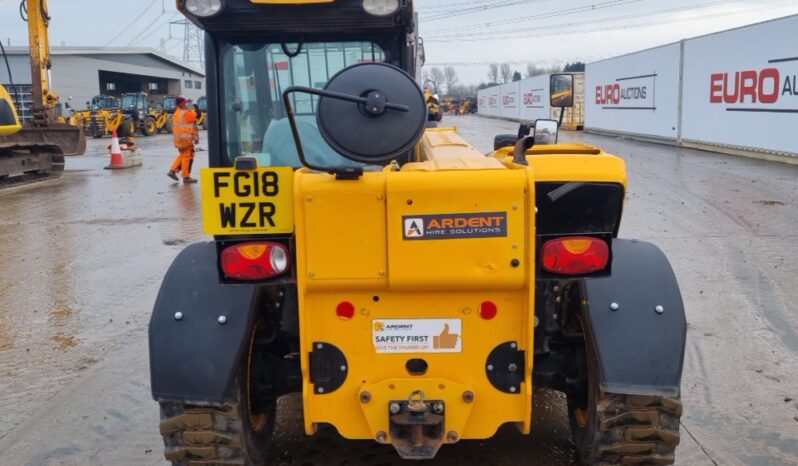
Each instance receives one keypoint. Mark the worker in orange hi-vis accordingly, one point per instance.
(185, 136)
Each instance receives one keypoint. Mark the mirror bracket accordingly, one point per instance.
(519, 153)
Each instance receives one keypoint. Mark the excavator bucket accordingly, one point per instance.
(70, 140)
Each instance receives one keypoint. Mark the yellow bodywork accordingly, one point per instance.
(351, 247)
(9, 120)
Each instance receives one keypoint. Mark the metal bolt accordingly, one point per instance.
(382, 437)
(453, 437)
(512, 367)
(222, 320)
(276, 305)
(556, 288)
(490, 367)
(659, 309)
(365, 397)
(394, 408)
(515, 207)
(468, 396)
(513, 345)
(381, 273)
(319, 346)
(377, 95)
(614, 306)
(320, 389)
(343, 368)
(557, 299)
(438, 408)
(178, 315)
(309, 198)
(512, 389)
(281, 294)
(311, 274)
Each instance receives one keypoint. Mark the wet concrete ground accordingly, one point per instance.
(82, 258)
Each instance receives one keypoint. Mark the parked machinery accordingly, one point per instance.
(414, 290)
(140, 117)
(202, 109)
(102, 116)
(35, 149)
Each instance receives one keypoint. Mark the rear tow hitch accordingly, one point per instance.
(417, 426)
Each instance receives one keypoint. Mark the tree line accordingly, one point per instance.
(447, 82)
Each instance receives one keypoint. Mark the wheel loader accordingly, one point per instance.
(102, 116)
(34, 150)
(202, 113)
(434, 111)
(140, 117)
(414, 290)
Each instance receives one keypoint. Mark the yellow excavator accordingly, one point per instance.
(34, 149)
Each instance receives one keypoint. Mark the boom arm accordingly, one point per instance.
(44, 99)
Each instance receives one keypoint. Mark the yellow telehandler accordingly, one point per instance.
(414, 290)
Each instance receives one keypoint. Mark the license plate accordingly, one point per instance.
(244, 202)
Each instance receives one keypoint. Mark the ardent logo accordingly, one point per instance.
(455, 226)
(414, 227)
(379, 326)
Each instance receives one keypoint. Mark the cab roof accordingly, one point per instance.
(291, 18)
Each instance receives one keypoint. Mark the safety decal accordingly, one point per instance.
(454, 226)
(417, 335)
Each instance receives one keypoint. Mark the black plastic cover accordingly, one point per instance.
(573, 208)
(372, 133)
(639, 350)
(195, 358)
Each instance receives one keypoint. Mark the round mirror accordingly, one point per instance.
(372, 132)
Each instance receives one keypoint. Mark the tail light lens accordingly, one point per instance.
(575, 255)
(255, 260)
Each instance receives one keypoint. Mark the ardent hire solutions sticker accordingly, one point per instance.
(417, 335)
(454, 226)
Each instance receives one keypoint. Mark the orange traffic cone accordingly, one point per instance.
(117, 159)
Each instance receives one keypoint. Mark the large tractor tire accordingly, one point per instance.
(127, 128)
(149, 126)
(229, 435)
(615, 429)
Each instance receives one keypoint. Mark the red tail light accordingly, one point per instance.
(255, 260)
(575, 255)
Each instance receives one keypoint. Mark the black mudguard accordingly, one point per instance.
(639, 350)
(195, 358)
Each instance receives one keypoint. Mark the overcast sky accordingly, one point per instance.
(468, 34)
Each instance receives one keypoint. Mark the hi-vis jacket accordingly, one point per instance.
(183, 127)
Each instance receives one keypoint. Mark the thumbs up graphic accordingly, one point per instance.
(445, 340)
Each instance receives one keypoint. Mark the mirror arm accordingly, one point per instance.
(341, 173)
(519, 153)
(559, 125)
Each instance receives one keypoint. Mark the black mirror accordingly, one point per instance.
(369, 113)
(561, 90)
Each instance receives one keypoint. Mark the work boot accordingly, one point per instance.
(171, 174)
(189, 179)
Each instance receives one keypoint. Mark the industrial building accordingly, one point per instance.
(79, 73)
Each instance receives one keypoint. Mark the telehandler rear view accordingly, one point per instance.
(415, 291)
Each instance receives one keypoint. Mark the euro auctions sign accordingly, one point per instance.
(628, 93)
(741, 88)
(774, 86)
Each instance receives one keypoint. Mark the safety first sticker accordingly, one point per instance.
(417, 335)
